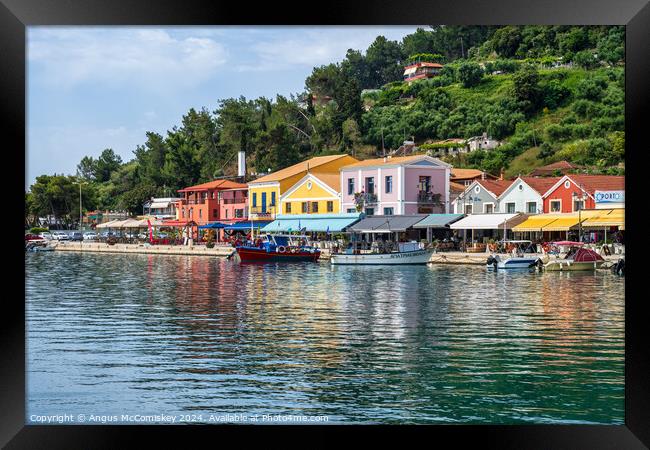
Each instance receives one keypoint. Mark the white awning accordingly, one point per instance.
(156, 205)
(488, 221)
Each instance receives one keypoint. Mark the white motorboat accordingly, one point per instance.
(515, 259)
(407, 253)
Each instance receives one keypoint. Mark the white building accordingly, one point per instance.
(161, 208)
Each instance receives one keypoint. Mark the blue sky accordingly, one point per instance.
(91, 88)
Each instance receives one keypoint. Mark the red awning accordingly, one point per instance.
(178, 223)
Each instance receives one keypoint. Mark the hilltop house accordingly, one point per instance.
(482, 142)
(556, 169)
(421, 70)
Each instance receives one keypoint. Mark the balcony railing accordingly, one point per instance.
(429, 197)
(369, 198)
(230, 201)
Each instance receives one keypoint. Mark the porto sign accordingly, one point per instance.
(610, 196)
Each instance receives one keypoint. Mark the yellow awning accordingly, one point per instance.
(563, 223)
(537, 222)
(609, 218)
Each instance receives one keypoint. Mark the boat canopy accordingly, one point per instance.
(313, 222)
(438, 220)
(488, 221)
(386, 224)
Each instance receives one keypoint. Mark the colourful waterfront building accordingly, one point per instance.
(524, 195)
(218, 200)
(313, 194)
(480, 197)
(264, 193)
(575, 192)
(416, 184)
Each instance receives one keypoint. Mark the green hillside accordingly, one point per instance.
(548, 93)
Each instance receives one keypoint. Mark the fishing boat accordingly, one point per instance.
(278, 248)
(515, 259)
(406, 253)
(576, 259)
(39, 246)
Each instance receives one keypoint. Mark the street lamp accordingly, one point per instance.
(80, 210)
(579, 198)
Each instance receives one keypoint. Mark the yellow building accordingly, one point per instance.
(313, 194)
(264, 194)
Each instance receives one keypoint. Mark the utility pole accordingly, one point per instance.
(383, 149)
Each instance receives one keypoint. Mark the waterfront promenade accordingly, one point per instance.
(460, 258)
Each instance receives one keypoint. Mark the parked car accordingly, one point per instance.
(106, 234)
(76, 236)
(33, 237)
(60, 236)
(47, 236)
(90, 236)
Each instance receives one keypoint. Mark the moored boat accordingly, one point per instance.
(516, 259)
(278, 248)
(405, 254)
(575, 259)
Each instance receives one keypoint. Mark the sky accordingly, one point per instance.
(92, 88)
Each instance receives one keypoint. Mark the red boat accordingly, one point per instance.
(278, 248)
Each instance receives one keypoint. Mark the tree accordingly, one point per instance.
(419, 42)
(107, 163)
(87, 168)
(470, 74)
(384, 59)
(586, 59)
(526, 87)
(506, 40)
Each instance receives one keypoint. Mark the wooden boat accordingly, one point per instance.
(576, 259)
(278, 248)
(516, 259)
(39, 246)
(407, 253)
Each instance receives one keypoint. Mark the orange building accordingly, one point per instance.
(218, 200)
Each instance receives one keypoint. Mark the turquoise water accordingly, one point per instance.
(195, 337)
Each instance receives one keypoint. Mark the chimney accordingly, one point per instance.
(482, 175)
(501, 175)
(241, 163)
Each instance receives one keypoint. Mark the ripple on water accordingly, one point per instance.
(113, 334)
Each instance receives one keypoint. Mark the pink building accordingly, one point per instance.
(416, 184)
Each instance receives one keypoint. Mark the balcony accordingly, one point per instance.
(231, 201)
(429, 198)
(369, 198)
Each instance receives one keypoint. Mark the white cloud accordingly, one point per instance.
(146, 57)
(315, 46)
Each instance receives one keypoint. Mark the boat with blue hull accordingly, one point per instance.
(516, 258)
(278, 248)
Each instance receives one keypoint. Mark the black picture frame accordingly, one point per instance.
(16, 15)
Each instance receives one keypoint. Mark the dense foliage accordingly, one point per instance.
(557, 91)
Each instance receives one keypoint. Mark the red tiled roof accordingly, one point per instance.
(559, 165)
(541, 184)
(495, 186)
(216, 184)
(593, 183)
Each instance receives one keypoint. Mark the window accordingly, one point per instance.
(254, 199)
(468, 209)
(388, 211)
(425, 184)
(489, 208)
(578, 205)
(510, 207)
(350, 186)
(305, 207)
(389, 184)
(370, 185)
(287, 207)
(183, 213)
(330, 206)
(370, 211)
(272, 198)
(314, 207)
(556, 205)
(239, 213)
(351, 210)
(215, 213)
(226, 216)
(200, 213)
(191, 212)
(531, 207)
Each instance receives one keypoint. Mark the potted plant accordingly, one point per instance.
(209, 239)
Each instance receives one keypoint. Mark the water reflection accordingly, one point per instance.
(429, 344)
